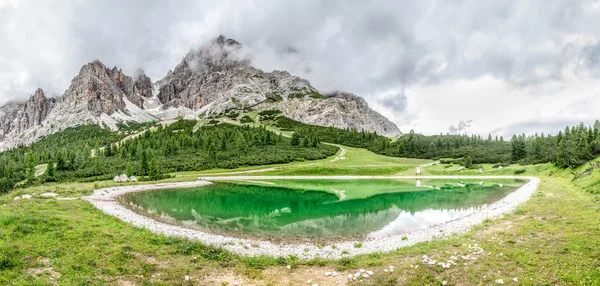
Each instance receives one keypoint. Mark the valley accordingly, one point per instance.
(220, 173)
(552, 237)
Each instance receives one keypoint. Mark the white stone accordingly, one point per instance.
(365, 275)
(327, 274)
(499, 281)
(369, 272)
(26, 197)
(117, 179)
(17, 198)
(289, 267)
(516, 279)
(187, 278)
(48, 195)
(444, 283)
(350, 276)
(132, 179)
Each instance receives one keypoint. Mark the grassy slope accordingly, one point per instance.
(552, 239)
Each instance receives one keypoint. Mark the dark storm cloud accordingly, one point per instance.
(368, 48)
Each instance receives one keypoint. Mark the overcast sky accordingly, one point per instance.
(497, 67)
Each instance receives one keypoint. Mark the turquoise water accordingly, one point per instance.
(271, 210)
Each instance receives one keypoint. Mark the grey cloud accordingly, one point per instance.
(367, 48)
(395, 101)
(460, 127)
(530, 127)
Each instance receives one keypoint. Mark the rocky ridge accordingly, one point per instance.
(212, 80)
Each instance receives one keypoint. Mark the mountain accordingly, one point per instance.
(213, 80)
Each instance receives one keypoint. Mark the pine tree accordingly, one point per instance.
(432, 152)
(295, 139)
(61, 165)
(50, 171)
(30, 167)
(144, 165)
(154, 173)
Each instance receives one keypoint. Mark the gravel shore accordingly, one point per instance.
(106, 200)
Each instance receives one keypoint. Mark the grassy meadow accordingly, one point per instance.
(553, 239)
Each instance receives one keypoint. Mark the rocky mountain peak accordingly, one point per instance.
(142, 85)
(211, 80)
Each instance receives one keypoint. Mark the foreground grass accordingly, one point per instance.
(553, 239)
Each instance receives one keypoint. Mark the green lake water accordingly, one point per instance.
(321, 208)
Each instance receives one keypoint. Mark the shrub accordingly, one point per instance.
(519, 171)
(246, 119)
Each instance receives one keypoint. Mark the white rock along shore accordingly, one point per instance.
(105, 200)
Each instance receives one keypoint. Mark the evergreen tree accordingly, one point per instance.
(144, 164)
(61, 165)
(295, 139)
(432, 150)
(50, 171)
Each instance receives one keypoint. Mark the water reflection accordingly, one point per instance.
(276, 211)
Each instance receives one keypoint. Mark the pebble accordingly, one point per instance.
(27, 197)
(444, 283)
(48, 195)
(369, 272)
(499, 281)
(350, 276)
(289, 267)
(236, 284)
(308, 281)
(365, 275)
(187, 278)
(327, 274)
(516, 279)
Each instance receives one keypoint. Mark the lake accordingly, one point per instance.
(320, 208)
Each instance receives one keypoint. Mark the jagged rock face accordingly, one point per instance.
(97, 89)
(342, 110)
(198, 79)
(214, 80)
(16, 118)
(209, 81)
(142, 85)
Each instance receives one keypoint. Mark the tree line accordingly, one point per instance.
(91, 153)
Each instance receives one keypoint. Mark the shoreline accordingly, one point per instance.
(106, 200)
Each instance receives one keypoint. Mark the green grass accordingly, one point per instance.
(553, 239)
